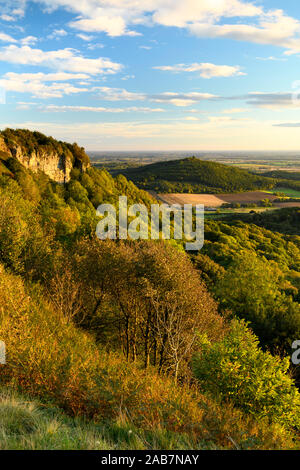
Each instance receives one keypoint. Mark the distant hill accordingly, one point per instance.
(285, 179)
(192, 175)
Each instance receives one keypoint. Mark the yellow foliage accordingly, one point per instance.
(50, 358)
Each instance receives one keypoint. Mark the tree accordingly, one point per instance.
(252, 289)
(147, 297)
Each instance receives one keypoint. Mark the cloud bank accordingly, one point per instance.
(205, 18)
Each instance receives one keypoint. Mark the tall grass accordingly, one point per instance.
(27, 424)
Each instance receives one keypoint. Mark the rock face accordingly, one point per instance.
(57, 167)
(3, 147)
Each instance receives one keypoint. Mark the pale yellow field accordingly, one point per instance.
(216, 200)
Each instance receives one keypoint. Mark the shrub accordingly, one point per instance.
(237, 370)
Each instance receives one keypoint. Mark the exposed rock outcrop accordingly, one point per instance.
(56, 159)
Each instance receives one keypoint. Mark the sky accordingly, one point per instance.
(153, 74)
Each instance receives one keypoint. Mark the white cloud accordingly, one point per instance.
(29, 41)
(272, 58)
(128, 77)
(204, 18)
(95, 45)
(113, 26)
(42, 85)
(100, 109)
(182, 99)
(57, 34)
(6, 38)
(12, 10)
(235, 110)
(46, 77)
(7, 18)
(21, 105)
(60, 60)
(177, 99)
(119, 94)
(273, 27)
(191, 118)
(84, 37)
(206, 70)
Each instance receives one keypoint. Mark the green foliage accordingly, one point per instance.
(210, 271)
(283, 174)
(23, 244)
(261, 280)
(224, 241)
(286, 221)
(252, 289)
(236, 370)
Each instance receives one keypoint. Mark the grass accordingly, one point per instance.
(287, 191)
(222, 213)
(27, 424)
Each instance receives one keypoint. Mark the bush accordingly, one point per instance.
(237, 370)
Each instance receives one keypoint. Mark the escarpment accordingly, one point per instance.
(38, 152)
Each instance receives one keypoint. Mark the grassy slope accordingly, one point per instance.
(293, 193)
(52, 360)
(29, 424)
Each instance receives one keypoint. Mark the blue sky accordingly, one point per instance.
(153, 74)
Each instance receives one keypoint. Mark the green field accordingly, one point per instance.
(289, 192)
(222, 213)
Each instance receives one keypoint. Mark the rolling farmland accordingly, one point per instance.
(217, 200)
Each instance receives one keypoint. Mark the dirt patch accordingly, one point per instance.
(287, 204)
(216, 200)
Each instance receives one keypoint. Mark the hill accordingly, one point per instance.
(196, 176)
(129, 337)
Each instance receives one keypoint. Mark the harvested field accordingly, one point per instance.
(287, 204)
(216, 200)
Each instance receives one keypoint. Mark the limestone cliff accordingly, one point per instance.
(38, 152)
